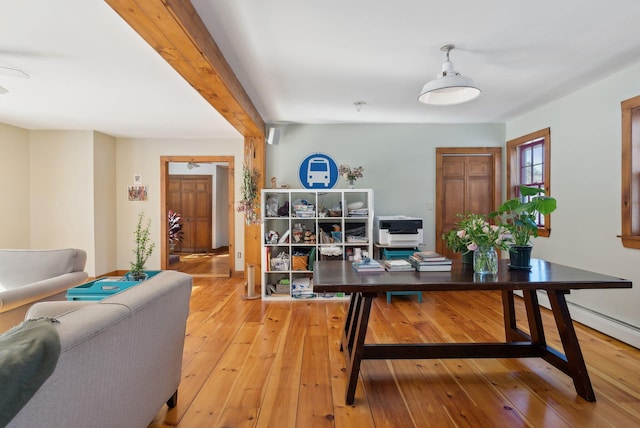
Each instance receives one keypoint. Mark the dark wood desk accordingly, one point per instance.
(557, 280)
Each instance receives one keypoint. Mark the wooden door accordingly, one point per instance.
(468, 180)
(191, 195)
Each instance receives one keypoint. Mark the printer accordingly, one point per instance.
(398, 231)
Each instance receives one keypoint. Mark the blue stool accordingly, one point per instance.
(400, 253)
(403, 293)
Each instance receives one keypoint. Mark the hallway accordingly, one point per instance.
(214, 264)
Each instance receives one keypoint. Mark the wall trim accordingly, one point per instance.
(605, 324)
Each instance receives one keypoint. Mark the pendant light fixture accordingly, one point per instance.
(449, 87)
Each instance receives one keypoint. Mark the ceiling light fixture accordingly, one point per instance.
(359, 105)
(449, 87)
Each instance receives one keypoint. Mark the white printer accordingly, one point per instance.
(398, 231)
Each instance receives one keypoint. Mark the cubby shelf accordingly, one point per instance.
(302, 226)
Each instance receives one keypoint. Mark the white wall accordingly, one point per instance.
(61, 191)
(15, 179)
(142, 156)
(586, 181)
(398, 160)
(105, 213)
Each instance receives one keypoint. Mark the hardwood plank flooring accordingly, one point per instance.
(249, 363)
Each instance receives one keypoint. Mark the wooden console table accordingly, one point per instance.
(557, 280)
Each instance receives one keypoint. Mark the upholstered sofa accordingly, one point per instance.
(120, 358)
(29, 276)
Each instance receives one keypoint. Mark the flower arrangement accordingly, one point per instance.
(351, 174)
(175, 228)
(249, 189)
(473, 231)
(144, 248)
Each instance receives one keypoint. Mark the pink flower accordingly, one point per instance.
(472, 247)
(461, 233)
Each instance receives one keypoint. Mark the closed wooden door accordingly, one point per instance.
(191, 195)
(467, 181)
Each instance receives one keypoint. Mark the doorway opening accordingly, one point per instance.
(200, 189)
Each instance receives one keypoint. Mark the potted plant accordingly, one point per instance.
(520, 216)
(175, 230)
(351, 174)
(144, 248)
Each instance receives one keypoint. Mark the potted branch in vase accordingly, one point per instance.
(144, 248)
(520, 217)
(175, 230)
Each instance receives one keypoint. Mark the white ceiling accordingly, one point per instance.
(308, 61)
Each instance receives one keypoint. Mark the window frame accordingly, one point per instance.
(630, 200)
(514, 169)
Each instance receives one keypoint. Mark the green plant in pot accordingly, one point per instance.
(174, 230)
(520, 217)
(144, 248)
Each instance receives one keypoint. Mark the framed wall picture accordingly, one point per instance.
(137, 179)
(138, 192)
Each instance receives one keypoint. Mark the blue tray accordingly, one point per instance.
(104, 287)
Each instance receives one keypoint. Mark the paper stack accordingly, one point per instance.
(367, 265)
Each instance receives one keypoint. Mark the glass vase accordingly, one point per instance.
(352, 184)
(485, 261)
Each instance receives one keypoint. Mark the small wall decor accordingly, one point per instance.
(138, 192)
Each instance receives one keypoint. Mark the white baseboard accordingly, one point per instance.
(603, 323)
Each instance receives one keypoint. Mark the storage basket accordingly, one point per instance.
(279, 263)
(299, 262)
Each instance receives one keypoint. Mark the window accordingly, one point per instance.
(528, 164)
(631, 173)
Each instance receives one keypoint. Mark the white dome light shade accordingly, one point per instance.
(450, 87)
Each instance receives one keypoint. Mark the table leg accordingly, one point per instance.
(536, 329)
(575, 361)
(350, 323)
(355, 356)
(509, 314)
(348, 320)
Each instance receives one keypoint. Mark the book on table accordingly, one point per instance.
(369, 265)
(433, 268)
(397, 265)
(430, 256)
(430, 261)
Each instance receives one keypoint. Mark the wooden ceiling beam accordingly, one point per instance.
(176, 31)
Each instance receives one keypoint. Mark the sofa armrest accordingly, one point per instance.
(40, 290)
(54, 309)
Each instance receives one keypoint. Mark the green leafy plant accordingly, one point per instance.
(144, 246)
(175, 228)
(520, 215)
(249, 190)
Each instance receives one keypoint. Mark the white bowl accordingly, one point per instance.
(355, 205)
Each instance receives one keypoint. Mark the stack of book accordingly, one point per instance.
(368, 265)
(398, 265)
(430, 261)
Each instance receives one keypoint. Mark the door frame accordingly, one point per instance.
(494, 152)
(164, 182)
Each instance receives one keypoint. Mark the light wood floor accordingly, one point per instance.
(253, 364)
(214, 264)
